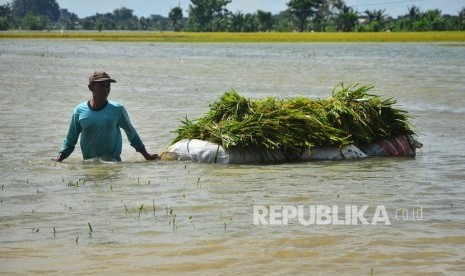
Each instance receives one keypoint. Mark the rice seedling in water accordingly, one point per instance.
(153, 204)
(71, 183)
(140, 211)
(173, 221)
(90, 229)
(192, 222)
(350, 116)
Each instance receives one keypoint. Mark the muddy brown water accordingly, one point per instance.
(137, 217)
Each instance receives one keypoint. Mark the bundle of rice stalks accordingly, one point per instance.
(350, 116)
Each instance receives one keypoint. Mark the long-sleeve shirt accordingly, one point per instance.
(100, 131)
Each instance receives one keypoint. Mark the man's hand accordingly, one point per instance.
(59, 158)
(151, 157)
(148, 156)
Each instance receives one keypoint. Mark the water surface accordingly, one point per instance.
(174, 217)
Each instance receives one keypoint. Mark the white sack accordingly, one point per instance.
(206, 152)
(197, 151)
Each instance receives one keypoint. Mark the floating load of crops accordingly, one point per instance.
(351, 116)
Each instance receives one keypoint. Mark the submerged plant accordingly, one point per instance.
(90, 229)
(141, 209)
(350, 115)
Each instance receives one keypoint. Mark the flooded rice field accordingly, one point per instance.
(379, 216)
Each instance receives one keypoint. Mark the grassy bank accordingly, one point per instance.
(141, 36)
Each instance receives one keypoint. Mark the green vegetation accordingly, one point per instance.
(350, 115)
(141, 209)
(213, 16)
(126, 36)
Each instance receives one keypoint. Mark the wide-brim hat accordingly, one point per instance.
(100, 75)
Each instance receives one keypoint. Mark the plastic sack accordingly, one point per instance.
(397, 146)
(206, 152)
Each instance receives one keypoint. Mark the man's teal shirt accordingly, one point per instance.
(100, 131)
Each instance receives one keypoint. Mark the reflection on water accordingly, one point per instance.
(170, 217)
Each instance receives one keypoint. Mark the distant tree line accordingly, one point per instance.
(213, 16)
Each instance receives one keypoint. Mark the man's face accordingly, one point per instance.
(100, 89)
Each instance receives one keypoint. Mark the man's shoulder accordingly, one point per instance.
(116, 104)
(80, 107)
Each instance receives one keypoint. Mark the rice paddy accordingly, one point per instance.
(152, 36)
(425, 78)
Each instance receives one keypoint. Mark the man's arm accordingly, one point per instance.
(71, 139)
(133, 137)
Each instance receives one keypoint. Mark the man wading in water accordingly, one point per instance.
(99, 121)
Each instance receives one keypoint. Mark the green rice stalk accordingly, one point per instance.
(350, 115)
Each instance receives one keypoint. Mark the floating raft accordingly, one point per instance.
(350, 124)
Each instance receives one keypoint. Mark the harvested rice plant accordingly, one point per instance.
(350, 116)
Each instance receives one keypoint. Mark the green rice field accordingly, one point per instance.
(150, 36)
